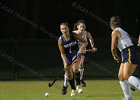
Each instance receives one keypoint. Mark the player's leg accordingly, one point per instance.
(66, 83)
(77, 75)
(70, 77)
(124, 83)
(134, 81)
(65, 86)
(81, 69)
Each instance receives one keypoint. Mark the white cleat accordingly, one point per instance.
(74, 92)
(79, 89)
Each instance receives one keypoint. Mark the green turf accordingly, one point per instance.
(34, 90)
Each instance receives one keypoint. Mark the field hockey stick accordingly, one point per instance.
(88, 50)
(52, 82)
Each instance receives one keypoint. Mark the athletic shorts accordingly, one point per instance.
(71, 57)
(129, 55)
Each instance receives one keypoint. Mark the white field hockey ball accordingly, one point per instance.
(47, 94)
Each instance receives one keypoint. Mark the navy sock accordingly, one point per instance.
(72, 84)
(77, 78)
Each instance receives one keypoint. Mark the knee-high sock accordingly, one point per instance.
(66, 82)
(77, 78)
(72, 84)
(135, 82)
(126, 89)
(81, 73)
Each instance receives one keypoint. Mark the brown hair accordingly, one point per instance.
(77, 23)
(64, 23)
(115, 21)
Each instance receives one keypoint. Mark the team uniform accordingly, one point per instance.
(71, 54)
(70, 47)
(84, 36)
(125, 45)
(129, 55)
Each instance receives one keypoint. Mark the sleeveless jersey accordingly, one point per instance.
(84, 36)
(71, 45)
(124, 41)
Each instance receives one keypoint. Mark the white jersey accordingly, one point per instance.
(84, 36)
(124, 41)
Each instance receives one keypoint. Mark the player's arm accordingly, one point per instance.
(90, 38)
(114, 40)
(62, 52)
(139, 41)
(84, 42)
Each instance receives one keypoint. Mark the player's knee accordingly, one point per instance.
(81, 66)
(75, 70)
(126, 76)
(70, 77)
(120, 77)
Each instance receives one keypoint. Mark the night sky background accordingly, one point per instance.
(50, 13)
(29, 31)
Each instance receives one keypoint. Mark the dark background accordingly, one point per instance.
(30, 45)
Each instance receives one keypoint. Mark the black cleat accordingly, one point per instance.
(132, 88)
(82, 83)
(64, 90)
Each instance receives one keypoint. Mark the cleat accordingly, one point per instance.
(73, 92)
(132, 88)
(64, 90)
(82, 83)
(79, 90)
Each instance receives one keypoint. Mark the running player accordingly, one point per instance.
(68, 46)
(80, 28)
(121, 39)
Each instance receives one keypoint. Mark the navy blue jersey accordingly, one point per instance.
(70, 47)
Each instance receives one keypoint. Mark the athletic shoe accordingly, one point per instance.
(73, 92)
(132, 88)
(64, 90)
(82, 83)
(79, 89)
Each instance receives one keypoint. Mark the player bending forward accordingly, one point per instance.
(80, 29)
(69, 50)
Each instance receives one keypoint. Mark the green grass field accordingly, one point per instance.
(35, 90)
